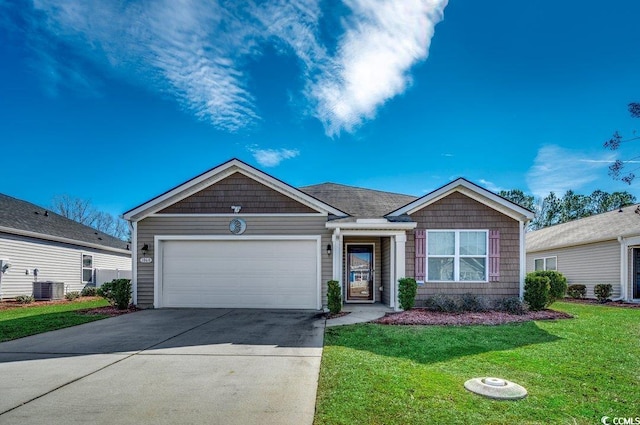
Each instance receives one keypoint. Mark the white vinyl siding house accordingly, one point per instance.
(603, 248)
(39, 245)
(54, 261)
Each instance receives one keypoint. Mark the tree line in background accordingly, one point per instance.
(552, 209)
(83, 212)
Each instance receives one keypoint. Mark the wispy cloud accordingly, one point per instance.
(556, 169)
(490, 185)
(195, 51)
(272, 157)
(382, 40)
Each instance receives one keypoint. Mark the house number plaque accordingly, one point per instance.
(237, 226)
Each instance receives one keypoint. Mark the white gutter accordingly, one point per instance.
(61, 239)
(371, 226)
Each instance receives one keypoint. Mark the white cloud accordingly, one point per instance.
(382, 40)
(272, 157)
(556, 169)
(194, 51)
(490, 185)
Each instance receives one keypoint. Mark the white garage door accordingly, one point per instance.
(239, 274)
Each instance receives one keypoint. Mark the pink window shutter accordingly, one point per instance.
(494, 256)
(421, 249)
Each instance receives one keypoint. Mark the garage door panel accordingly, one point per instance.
(240, 274)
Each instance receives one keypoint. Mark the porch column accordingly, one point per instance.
(337, 254)
(400, 263)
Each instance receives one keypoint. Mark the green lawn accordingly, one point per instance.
(576, 371)
(27, 320)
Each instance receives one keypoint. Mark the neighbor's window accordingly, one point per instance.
(87, 268)
(546, 263)
(457, 255)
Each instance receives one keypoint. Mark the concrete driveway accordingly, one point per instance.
(167, 367)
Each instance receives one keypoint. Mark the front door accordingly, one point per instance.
(360, 273)
(636, 273)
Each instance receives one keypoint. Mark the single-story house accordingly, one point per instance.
(237, 237)
(603, 248)
(40, 245)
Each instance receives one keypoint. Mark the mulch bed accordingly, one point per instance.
(335, 316)
(589, 301)
(421, 316)
(108, 311)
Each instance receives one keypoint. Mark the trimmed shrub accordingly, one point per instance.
(577, 291)
(511, 305)
(70, 296)
(407, 290)
(474, 303)
(334, 296)
(89, 291)
(117, 292)
(440, 302)
(602, 292)
(557, 284)
(536, 291)
(25, 299)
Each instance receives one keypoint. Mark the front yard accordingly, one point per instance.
(576, 371)
(17, 321)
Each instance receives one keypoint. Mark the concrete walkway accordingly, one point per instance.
(169, 366)
(359, 313)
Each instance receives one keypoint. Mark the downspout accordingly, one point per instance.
(624, 269)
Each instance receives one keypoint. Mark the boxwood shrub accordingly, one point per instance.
(536, 291)
(407, 291)
(603, 291)
(334, 296)
(577, 291)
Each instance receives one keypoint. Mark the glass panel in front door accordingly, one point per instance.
(360, 273)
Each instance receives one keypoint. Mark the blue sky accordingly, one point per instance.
(117, 102)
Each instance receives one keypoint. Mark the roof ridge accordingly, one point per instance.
(355, 187)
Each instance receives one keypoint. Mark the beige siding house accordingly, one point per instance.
(604, 248)
(237, 237)
(39, 245)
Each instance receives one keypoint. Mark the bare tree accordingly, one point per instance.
(83, 212)
(617, 170)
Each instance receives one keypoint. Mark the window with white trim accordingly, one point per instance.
(546, 263)
(87, 268)
(457, 255)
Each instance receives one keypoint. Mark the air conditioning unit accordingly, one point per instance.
(48, 290)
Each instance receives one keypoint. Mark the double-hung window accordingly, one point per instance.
(546, 263)
(457, 255)
(87, 268)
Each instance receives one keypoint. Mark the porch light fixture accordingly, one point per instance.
(145, 249)
(329, 249)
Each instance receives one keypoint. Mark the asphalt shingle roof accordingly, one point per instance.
(601, 227)
(22, 215)
(357, 201)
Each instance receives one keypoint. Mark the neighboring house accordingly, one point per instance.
(237, 237)
(603, 248)
(60, 249)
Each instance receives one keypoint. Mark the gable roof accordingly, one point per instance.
(473, 191)
(218, 173)
(356, 201)
(597, 228)
(27, 219)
